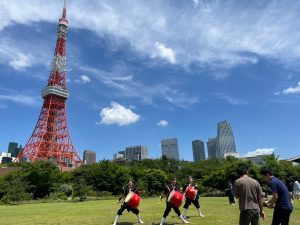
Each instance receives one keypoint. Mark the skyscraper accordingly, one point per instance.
(138, 152)
(198, 150)
(89, 157)
(169, 148)
(212, 148)
(226, 143)
(13, 149)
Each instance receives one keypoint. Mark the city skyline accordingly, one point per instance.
(137, 77)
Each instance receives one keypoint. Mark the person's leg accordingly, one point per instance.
(285, 217)
(245, 218)
(166, 213)
(197, 205)
(255, 217)
(186, 207)
(231, 198)
(177, 211)
(276, 217)
(137, 213)
(119, 213)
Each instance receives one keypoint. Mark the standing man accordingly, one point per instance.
(296, 190)
(167, 190)
(249, 193)
(281, 198)
(130, 187)
(188, 202)
(230, 193)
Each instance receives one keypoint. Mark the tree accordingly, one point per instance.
(154, 180)
(14, 188)
(42, 177)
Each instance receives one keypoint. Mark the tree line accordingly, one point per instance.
(44, 180)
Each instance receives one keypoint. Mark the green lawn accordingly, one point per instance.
(102, 212)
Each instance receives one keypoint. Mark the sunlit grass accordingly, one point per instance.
(102, 212)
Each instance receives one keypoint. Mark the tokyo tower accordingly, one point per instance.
(50, 139)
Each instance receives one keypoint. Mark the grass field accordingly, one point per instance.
(102, 212)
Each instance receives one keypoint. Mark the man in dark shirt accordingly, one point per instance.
(129, 188)
(188, 202)
(229, 192)
(249, 193)
(281, 198)
(168, 188)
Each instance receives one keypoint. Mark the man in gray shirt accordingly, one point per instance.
(249, 193)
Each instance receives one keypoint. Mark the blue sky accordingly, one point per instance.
(156, 70)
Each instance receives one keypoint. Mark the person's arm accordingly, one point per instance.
(166, 189)
(185, 187)
(274, 198)
(260, 200)
(123, 195)
(235, 190)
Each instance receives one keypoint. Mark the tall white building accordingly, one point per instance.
(169, 148)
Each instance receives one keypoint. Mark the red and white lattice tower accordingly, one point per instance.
(50, 139)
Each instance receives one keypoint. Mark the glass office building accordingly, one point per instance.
(135, 153)
(225, 140)
(212, 148)
(198, 150)
(169, 148)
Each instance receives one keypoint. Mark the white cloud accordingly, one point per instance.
(164, 53)
(20, 62)
(83, 79)
(292, 90)
(24, 99)
(260, 151)
(14, 57)
(196, 3)
(163, 123)
(118, 114)
(214, 34)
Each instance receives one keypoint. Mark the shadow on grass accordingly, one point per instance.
(125, 223)
(165, 223)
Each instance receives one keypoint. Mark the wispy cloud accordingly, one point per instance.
(14, 57)
(124, 78)
(118, 114)
(83, 79)
(218, 34)
(163, 123)
(260, 151)
(3, 106)
(196, 3)
(148, 94)
(19, 98)
(231, 100)
(292, 90)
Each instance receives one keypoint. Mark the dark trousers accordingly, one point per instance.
(281, 216)
(168, 210)
(188, 202)
(125, 206)
(249, 216)
(231, 198)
